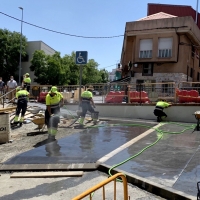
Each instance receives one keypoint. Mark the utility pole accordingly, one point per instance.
(197, 12)
(20, 56)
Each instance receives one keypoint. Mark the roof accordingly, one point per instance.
(159, 15)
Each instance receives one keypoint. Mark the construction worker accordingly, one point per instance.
(27, 82)
(52, 113)
(86, 101)
(22, 96)
(160, 105)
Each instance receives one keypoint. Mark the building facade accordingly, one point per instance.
(162, 48)
(33, 46)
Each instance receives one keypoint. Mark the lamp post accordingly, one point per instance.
(20, 57)
(197, 12)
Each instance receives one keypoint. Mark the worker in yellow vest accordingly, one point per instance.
(22, 96)
(27, 82)
(52, 113)
(86, 104)
(158, 111)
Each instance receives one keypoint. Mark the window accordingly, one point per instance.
(193, 51)
(167, 87)
(146, 47)
(191, 72)
(147, 69)
(165, 47)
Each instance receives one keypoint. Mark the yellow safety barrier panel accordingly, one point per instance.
(102, 185)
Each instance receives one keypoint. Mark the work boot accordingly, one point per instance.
(51, 137)
(159, 119)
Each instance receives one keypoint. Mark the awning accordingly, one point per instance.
(122, 80)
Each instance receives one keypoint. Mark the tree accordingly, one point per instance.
(54, 70)
(49, 70)
(10, 52)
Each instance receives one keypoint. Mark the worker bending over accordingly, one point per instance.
(22, 96)
(52, 113)
(161, 104)
(27, 82)
(86, 101)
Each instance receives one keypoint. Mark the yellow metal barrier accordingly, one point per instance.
(102, 184)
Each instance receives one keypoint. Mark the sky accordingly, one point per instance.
(87, 18)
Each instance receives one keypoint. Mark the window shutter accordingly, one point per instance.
(146, 47)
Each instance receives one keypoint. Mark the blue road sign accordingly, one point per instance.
(81, 57)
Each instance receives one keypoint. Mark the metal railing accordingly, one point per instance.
(102, 185)
(3, 97)
(120, 92)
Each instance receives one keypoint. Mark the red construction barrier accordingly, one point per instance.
(185, 96)
(42, 96)
(114, 97)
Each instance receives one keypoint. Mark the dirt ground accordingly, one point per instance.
(28, 137)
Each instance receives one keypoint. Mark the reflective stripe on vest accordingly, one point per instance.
(22, 97)
(159, 108)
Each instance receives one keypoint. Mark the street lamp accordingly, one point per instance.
(196, 20)
(20, 57)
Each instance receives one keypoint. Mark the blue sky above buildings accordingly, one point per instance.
(89, 18)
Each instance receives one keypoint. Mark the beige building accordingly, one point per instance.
(162, 48)
(30, 49)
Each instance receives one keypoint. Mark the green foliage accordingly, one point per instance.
(10, 52)
(49, 70)
(54, 70)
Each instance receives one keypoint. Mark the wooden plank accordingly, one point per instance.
(7, 109)
(46, 174)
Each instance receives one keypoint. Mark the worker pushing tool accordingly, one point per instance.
(22, 96)
(86, 104)
(160, 105)
(52, 113)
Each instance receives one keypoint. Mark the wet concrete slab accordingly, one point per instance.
(172, 162)
(171, 166)
(84, 147)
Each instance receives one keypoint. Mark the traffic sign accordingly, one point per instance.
(81, 57)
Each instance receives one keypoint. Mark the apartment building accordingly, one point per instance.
(162, 48)
(33, 46)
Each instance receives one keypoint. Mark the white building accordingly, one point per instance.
(30, 49)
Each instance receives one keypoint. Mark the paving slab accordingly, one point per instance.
(172, 162)
(81, 148)
(171, 166)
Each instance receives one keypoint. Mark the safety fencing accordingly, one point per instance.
(6, 95)
(90, 191)
(188, 92)
(117, 93)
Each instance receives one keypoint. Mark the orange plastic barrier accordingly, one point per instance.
(139, 98)
(114, 97)
(185, 96)
(42, 96)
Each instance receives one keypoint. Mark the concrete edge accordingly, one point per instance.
(149, 186)
(39, 167)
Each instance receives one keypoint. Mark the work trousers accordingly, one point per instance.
(159, 114)
(52, 122)
(11, 95)
(21, 107)
(27, 87)
(86, 106)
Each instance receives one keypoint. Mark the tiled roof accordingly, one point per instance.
(159, 15)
